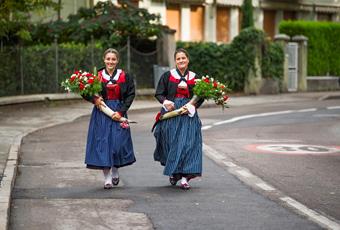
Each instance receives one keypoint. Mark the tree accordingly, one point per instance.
(14, 18)
(247, 14)
(107, 22)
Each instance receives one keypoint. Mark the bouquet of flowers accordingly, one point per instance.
(88, 84)
(83, 83)
(205, 88)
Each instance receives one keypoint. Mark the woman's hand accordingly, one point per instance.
(98, 102)
(168, 105)
(116, 116)
(184, 110)
(188, 109)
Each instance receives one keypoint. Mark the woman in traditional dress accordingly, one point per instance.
(179, 139)
(109, 144)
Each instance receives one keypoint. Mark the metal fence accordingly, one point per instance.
(40, 69)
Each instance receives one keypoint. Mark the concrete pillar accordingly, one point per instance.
(234, 23)
(283, 40)
(302, 61)
(166, 47)
(185, 23)
(258, 17)
(210, 23)
(253, 81)
(336, 17)
(278, 19)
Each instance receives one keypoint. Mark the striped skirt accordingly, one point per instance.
(108, 144)
(179, 143)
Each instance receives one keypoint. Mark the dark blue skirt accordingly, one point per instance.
(108, 144)
(179, 143)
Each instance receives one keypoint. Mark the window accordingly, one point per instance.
(269, 22)
(222, 24)
(173, 19)
(197, 23)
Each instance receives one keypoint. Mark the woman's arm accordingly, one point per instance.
(129, 95)
(162, 87)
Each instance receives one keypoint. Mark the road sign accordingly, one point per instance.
(293, 149)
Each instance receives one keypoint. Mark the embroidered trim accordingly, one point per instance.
(107, 77)
(176, 75)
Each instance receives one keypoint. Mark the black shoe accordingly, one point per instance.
(115, 181)
(173, 179)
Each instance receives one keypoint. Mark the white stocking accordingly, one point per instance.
(115, 173)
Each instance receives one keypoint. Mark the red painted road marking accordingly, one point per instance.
(292, 149)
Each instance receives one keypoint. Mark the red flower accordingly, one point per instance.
(72, 78)
(90, 81)
(222, 86)
(225, 97)
(81, 86)
(206, 80)
(215, 84)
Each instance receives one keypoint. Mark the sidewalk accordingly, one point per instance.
(17, 121)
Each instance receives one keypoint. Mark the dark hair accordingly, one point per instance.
(111, 50)
(181, 50)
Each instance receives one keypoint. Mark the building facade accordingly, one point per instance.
(220, 20)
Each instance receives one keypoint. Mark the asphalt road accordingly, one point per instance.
(54, 191)
(295, 147)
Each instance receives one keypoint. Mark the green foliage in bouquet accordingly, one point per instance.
(83, 83)
(208, 88)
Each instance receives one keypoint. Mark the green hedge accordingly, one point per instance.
(323, 44)
(231, 63)
(39, 66)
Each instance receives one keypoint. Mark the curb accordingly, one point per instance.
(7, 182)
(10, 100)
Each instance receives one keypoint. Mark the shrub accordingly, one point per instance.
(231, 63)
(323, 44)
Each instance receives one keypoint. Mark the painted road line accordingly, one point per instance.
(333, 107)
(244, 173)
(206, 127)
(244, 117)
(293, 149)
(234, 119)
(265, 186)
(315, 216)
(306, 110)
(229, 164)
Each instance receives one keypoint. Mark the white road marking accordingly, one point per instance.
(333, 107)
(206, 127)
(293, 148)
(317, 217)
(234, 119)
(239, 118)
(265, 186)
(306, 110)
(229, 164)
(244, 173)
(250, 140)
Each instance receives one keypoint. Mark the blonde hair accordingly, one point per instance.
(111, 50)
(181, 50)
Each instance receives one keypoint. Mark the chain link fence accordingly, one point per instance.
(40, 69)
